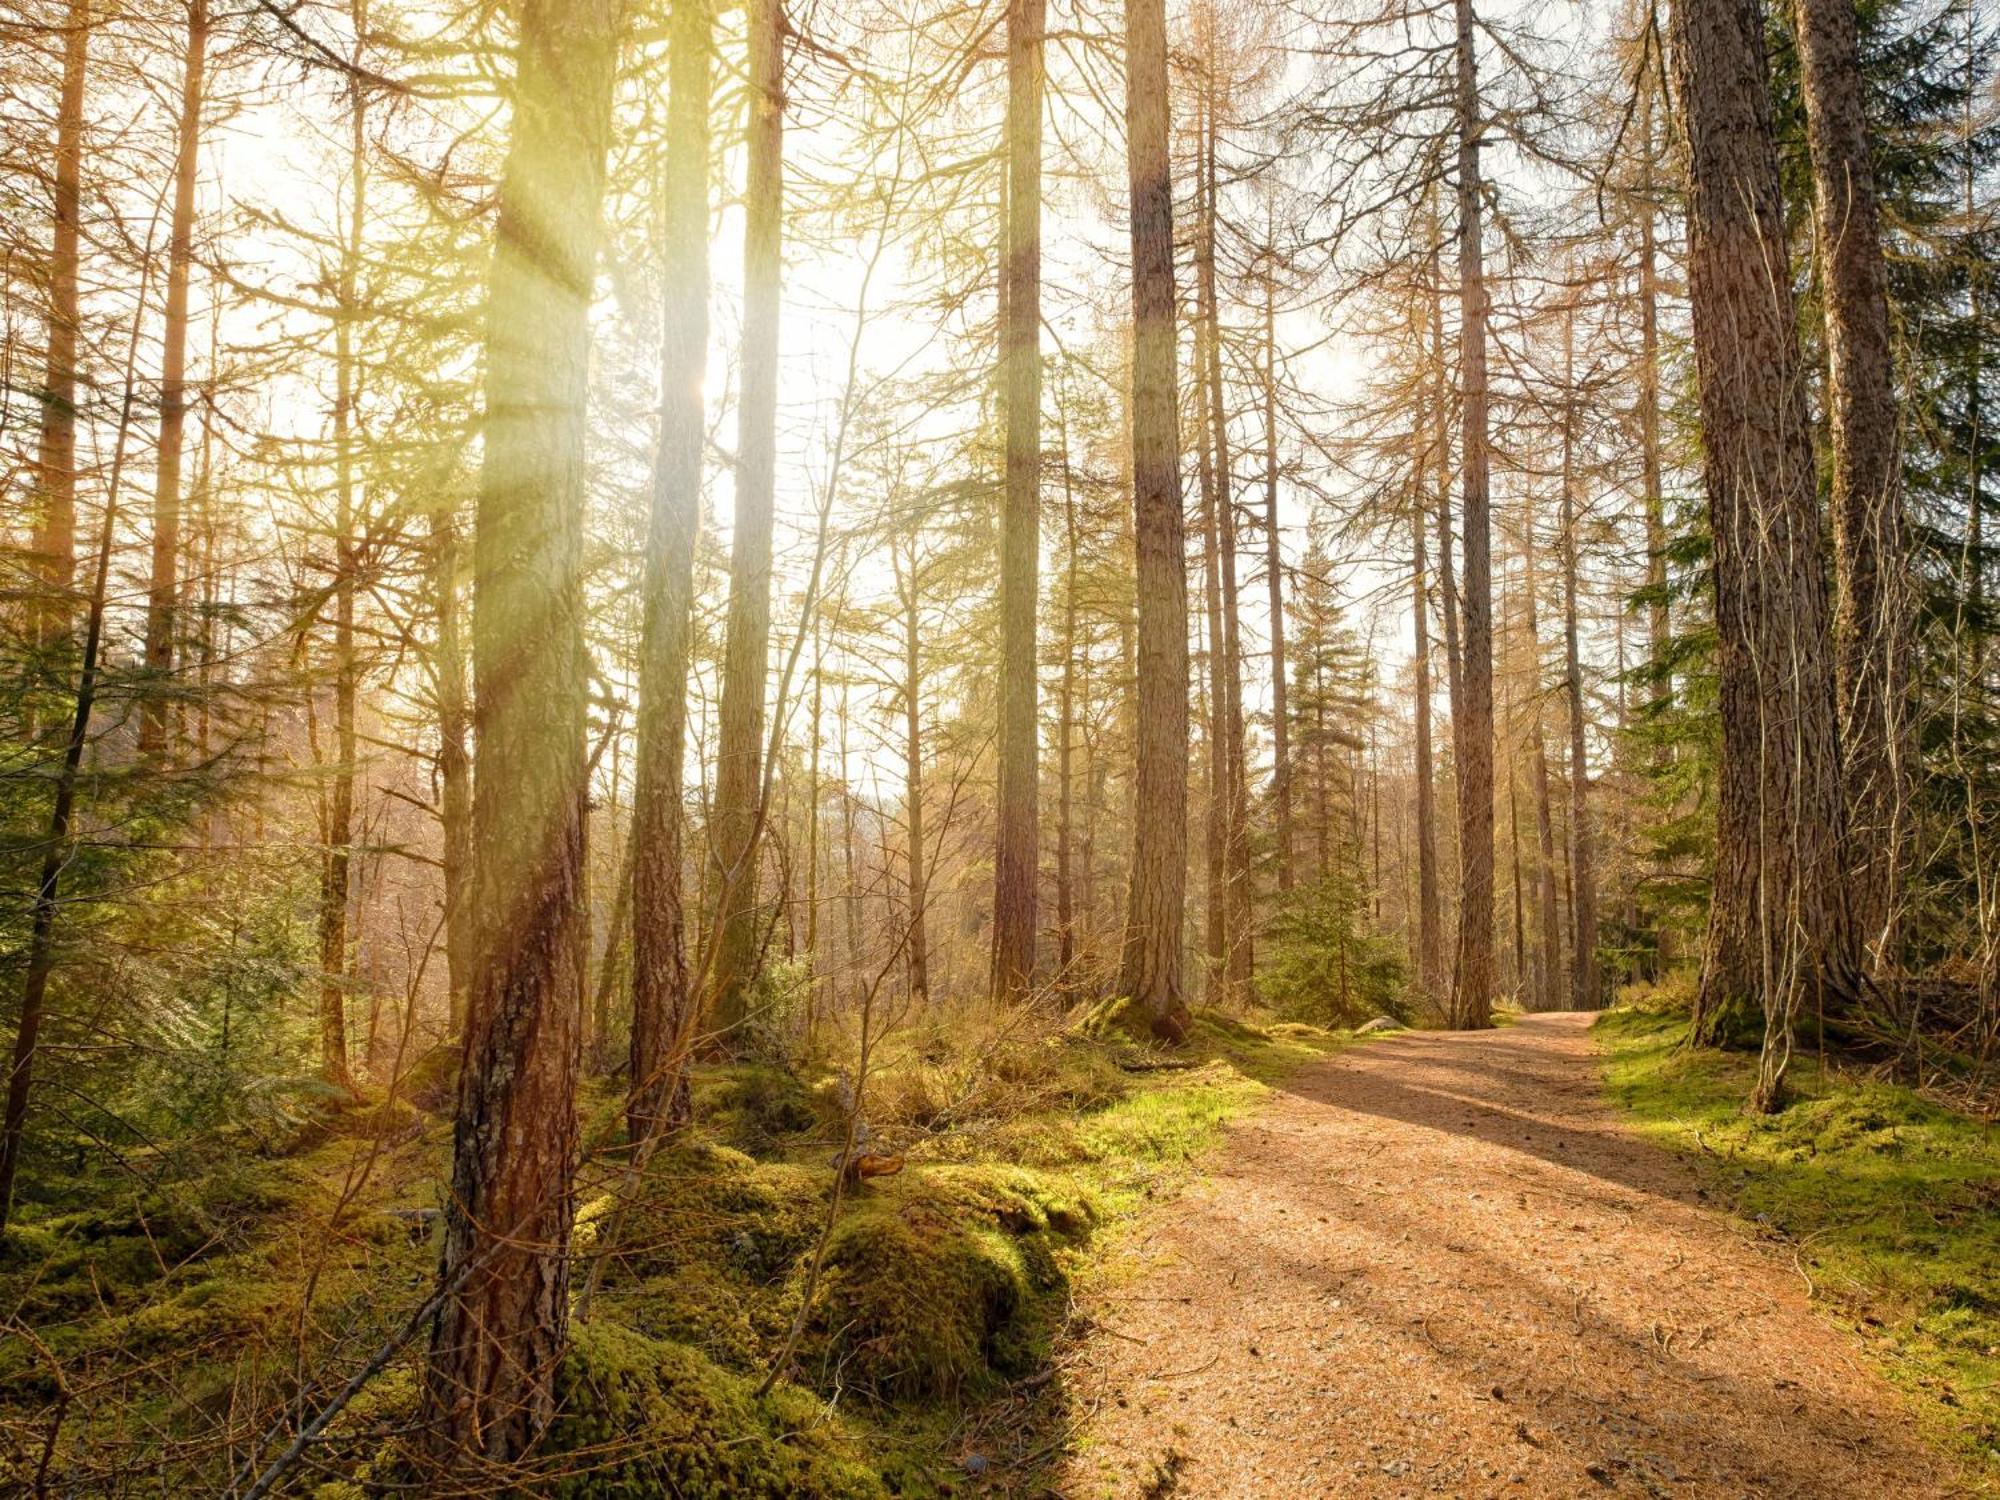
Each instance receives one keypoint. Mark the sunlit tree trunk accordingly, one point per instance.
(55, 450)
(662, 1009)
(164, 590)
(1227, 649)
(1016, 852)
(1430, 947)
(1778, 923)
(1871, 583)
(1150, 972)
(1066, 743)
(454, 712)
(917, 944)
(1586, 984)
(336, 861)
(1546, 992)
(746, 648)
(1274, 564)
(504, 1275)
(1215, 813)
(1472, 984)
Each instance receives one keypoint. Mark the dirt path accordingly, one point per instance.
(1437, 1265)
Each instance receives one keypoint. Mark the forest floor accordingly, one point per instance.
(1441, 1264)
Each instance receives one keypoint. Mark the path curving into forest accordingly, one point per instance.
(1438, 1265)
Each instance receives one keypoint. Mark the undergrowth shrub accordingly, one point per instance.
(1322, 964)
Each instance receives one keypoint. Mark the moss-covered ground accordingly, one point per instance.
(1890, 1204)
(154, 1325)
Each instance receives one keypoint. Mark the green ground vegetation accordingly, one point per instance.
(158, 1325)
(1890, 1203)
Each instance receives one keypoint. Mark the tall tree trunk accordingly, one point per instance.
(337, 860)
(1658, 616)
(57, 852)
(1430, 945)
(917, 945)
(1658, 623)
(164, 589)
(454, 712)
(1274, 565)
(1778, 923)
(504, 1275)
(1472, 984)
(1151, 966)
(1016, 851)
(55, 451)
(746, 648)
(1215, 822)
(662, 1010)
(1547, 991)
(1871, 584)
(1586, 990)
(1240, 957)
(1066, 745)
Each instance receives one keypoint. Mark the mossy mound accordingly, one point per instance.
(946, 1284)
(1122, 1016)
(431, 1082)
(707, 1246)
(642, 1417)
(756, 1107)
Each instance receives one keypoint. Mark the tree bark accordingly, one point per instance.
(1240, 958)
(1546, 993)
(337, 859)
(917, 944)
(454, 712)
(1586, 990)
(1778, 924)
(1871, 584)
(1151, 966)
(1472, 984)
(55, 451)
(164, 590)
(1430, 946)
(746, 648)
(662, 1008)
(1016, 851)
(504, 1274)
(1274, 564)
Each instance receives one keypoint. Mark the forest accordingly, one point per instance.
(999, 747)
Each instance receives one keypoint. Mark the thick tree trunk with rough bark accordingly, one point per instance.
(746, 648)
(1778, 927)
(163, 593)
(1150, 972)
(1472, 983)
(1016, 850)
(1871, 579)
(662, 1008)
(504, 1274)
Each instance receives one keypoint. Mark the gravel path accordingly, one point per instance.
(1436, 1265)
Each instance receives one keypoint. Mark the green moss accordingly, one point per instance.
(756, 1107)
(1892, 1203)
(1122, 1017)
(639, 1417)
